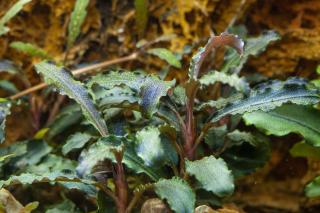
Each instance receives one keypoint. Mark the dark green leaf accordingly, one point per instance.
(102, 150)
(287, 119)
(271, 95)
(64, 81)
(178, 194)
(149, 87)
(76, 141)
(68, 116)
(213, 175)
(233, 80)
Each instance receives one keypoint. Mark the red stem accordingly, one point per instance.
(121, 185)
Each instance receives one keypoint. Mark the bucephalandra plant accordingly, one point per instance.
(130, 133)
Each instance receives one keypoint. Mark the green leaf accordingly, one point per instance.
(9, 66)
(253, 47)
(64, 207)
(271, 95)
(30, 49)
(52, 163)
(78, 15)
(288, 119)
(68, 116)
(141, 7)
(149, 87)
(102, 150)
(64, 81)
(152, 148)
(233, 80)
(8, 86)
(14, 10)
(29, 178)
(318, 69)
(178, 194)
(166, 55)
(302, 149)
(4, 112)
(213, 175)
(220, 102)
(116, 96)
(76, 141)
(245, 158)
(214, 42)
(313, 188)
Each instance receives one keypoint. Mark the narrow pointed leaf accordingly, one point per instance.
(78, 15)
(271, 95)
(313, 188)
(141, 7)
(14, 10)
(177, 193)
(288, 119)
(166, 55)
(213, 175)
(30, 49)
(65, 83)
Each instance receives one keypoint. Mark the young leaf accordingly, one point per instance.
(233, 80)
(30, 49)
(313, 188)
(78, 15)
(64, 81)
(14, 10)
(178, 194)
(141, 7)
(76, 141)
(286, 119)
(4, 112)
(213, 175)
(166, 55)
(149, 87)
(253, 46)
(224, 39)
(102, 150)
(271, 95)
(66, 206)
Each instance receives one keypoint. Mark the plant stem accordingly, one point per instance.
(121, 184)
(78, 72)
